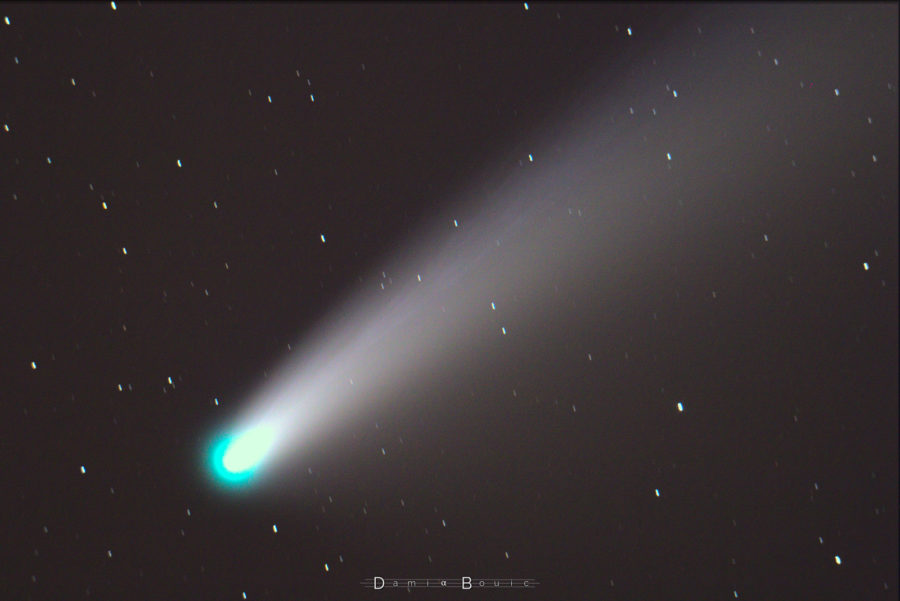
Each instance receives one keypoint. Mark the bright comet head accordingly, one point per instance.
(234, 460)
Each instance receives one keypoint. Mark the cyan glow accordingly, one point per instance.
(234, 460)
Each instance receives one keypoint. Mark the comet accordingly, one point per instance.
(555, 233)
(234, 460)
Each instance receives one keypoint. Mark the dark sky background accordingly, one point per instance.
(143, 300)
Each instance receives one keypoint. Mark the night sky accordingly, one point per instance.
(694, 397)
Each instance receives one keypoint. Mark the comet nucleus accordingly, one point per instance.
(234, 460)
